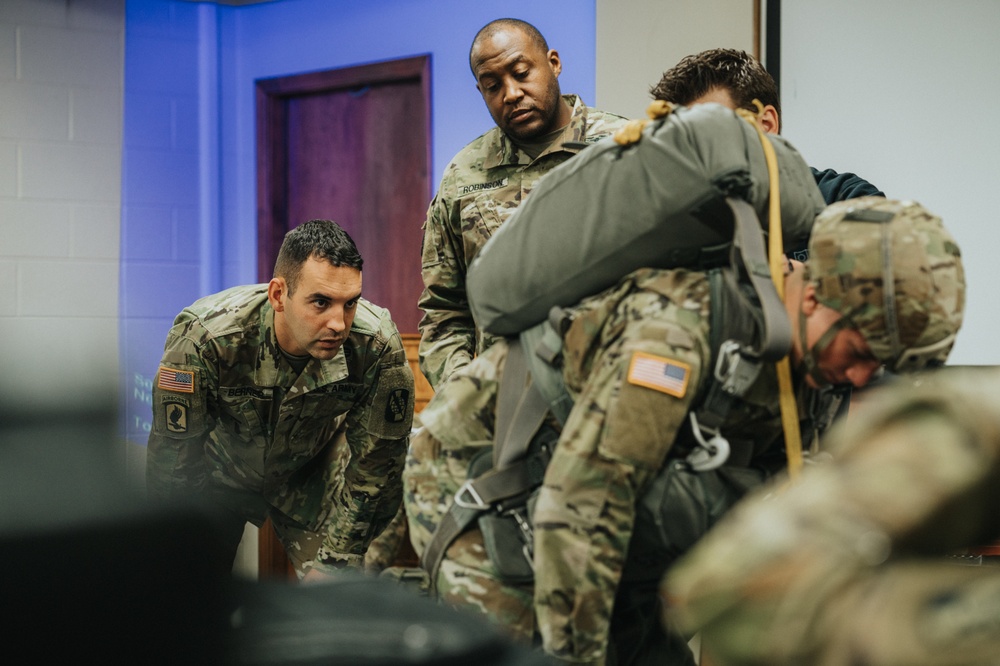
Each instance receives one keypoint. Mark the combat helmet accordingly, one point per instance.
(894, 273)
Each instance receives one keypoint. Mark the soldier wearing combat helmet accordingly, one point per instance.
(637, 361)
(849, 564)
(859, 247)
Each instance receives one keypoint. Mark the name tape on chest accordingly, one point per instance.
(480, 187)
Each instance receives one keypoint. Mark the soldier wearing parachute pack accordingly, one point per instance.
(622, 492)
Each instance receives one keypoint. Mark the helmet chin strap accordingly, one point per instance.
(810, 356)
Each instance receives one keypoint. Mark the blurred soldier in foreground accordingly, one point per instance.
(290, 400)
(637, 365)
(848, 564)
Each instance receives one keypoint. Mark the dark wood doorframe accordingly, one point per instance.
(272, 99)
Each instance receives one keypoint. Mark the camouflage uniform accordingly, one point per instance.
(616, 440)
(636, 360)
(481, 188)
(385, 548)
(320, 452)
(847, 565)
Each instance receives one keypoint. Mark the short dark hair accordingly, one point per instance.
(501, 24)
(735, 71)
(323, 239)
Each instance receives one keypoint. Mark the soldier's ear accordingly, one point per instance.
(809, 302)
(277, 291)
(769, 120)
(554, 62)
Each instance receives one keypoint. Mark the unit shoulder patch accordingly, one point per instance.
(175, 417)
(396, 405)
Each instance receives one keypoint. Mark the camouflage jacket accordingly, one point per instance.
(229, 412)
(621, 431)
(849, 564)
(480, 189)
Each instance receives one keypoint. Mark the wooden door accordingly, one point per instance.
(351, 145)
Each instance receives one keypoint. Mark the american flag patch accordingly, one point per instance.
(181, 381)
(659, 373)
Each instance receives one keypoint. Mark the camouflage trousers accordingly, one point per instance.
(617, 437)
(385, 548)
(469, 581)
(435, 468)
(301, 543)
(237, 508)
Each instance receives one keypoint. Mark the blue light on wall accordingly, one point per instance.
(161, 265)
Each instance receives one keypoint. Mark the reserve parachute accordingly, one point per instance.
(659, 201)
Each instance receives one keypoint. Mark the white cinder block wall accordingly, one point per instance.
(61, 83)
(638, 40)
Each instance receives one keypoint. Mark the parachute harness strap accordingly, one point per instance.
(775, 251)
(889, 295)
(631, 133)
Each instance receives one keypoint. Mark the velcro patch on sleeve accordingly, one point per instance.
(659, 373)
(391, 414)
(171, 379)
(176, 417)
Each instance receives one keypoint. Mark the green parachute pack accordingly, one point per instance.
(653, 200)
(688, 189)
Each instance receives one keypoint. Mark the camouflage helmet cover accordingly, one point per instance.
(861, 245)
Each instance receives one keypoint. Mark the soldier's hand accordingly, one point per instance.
(315, 575)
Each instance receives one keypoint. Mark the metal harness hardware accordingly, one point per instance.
(707, 455)
(476, 502)
(734, 371)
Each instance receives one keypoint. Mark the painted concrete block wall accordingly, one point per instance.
(637, 40)
(60, 189)
(283, 38)
(906, 98)
(161, 262)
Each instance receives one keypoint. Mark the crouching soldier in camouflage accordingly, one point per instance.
(290, 400)
(637, 362)
(862, 559)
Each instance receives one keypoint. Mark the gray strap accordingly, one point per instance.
(515, 374)
(454, 522)
(543, 345)
(528, 418)
(737, 364)
(520, 413)
(776, 336)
